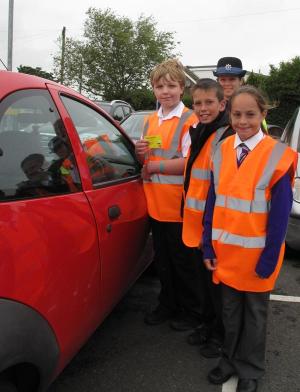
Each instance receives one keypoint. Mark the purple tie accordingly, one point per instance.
(243, 153)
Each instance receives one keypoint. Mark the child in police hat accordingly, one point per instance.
(162, 152)
(245, 221)
(230, 75)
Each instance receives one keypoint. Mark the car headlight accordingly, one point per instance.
(296, 190)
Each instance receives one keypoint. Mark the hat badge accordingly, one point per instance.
(228, 66)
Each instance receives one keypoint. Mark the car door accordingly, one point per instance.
(48, 237)
(291, 136)
(115, 195)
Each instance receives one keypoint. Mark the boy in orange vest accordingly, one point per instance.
(162, 152)
(245, 221)
(209, 106)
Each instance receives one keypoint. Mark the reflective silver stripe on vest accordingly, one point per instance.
(195, 204)
(177, 134)
(171, 152)
(259, 204)
(265, 179)
(146, 126)
(217, 159)
(167, 154)
(234, 203)
(200, 174)
(166, 180)
(238, 240)
(219, 133)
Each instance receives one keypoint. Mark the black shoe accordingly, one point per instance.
(211, 349)
(158, 316)
(199, 335)
(246, 385)
(184, 323)
(218, 376)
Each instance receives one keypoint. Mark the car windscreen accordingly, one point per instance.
(133, 125)
(105, 106)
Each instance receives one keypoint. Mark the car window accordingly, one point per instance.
(126, 110)
(109, 154)
(288, 132)
(36, 158)
(118, 113)
(275, 131)
(133, 126)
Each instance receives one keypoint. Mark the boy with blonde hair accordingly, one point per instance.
(162, 151)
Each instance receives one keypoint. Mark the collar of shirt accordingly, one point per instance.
(251, 143)
(176, 112)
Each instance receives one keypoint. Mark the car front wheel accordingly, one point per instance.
(7, 386)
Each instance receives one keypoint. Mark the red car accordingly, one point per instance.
(73, 223)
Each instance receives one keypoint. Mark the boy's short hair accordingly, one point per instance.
(208, 84)
(36, 158)
(172, 68)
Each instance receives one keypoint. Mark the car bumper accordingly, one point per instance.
(293, 231)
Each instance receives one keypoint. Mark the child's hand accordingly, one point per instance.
(153, 167)
(141, 147)
(210, 264)
(145, 174)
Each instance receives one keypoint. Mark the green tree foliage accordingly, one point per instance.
(35, 71)
(282, 87)
(73, 74)
(116, 56)
(258, 80)
(142, 99)
(187, 100)
(284, 81)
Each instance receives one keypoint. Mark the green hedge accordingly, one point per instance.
(281, 114)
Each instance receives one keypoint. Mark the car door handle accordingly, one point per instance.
(114, 212)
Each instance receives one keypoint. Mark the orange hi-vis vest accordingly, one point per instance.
(243, 197)
(195, 198)
(66, 172)
(164, 192)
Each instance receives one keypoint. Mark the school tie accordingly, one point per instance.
(244, 152)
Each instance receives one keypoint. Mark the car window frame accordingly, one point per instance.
(128, 142)
(44, 92)
(287, 135)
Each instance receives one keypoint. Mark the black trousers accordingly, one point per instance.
(179, 273)
(211, 297)
(245, 321)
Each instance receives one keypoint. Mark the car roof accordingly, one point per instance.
(141, 112)
(11, 81)
(137, 113)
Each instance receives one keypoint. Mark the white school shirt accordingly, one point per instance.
(251, 143)
(176, 112)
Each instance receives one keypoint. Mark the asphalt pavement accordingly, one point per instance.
(125, 355)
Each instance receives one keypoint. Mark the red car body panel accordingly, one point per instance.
(45, 266)
(63, 255)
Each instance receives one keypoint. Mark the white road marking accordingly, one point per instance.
(284, 298)
(230, 385)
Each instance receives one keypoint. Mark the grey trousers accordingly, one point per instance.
(245, 321)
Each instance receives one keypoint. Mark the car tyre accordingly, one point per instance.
(7, 386)
(290, 252)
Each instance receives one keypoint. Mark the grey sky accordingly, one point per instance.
(260, 32)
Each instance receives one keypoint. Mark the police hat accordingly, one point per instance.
(230, 66)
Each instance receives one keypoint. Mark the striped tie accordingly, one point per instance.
(244, 152)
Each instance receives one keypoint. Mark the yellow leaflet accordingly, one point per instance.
(154, 141)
